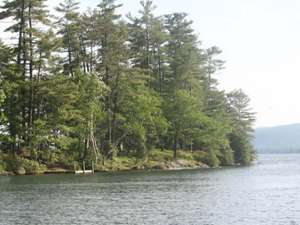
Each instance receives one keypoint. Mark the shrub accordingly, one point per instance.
(187, 155)
(20, 166)
(161, 156)
(2, 165)
(33, 167)
(200, 156)
(212, 159)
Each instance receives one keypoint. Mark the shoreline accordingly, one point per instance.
(176, 165)
(156, 161)
(66, 171)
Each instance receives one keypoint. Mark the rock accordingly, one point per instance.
(6, 173)
(159, 166)
(203, 165)
(20, 171)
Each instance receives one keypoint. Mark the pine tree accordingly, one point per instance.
(184, 117)
(111, 35)
(147, 37)
(183, 54)
(183, 80)
(243, 119)
(69, 31)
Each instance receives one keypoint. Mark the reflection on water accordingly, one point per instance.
(267, 194)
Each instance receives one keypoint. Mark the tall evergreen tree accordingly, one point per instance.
(243, 119)
(183, 78)
(31, 19)
(69, 30)
(112, 35)
(147, 37)
(183, 54)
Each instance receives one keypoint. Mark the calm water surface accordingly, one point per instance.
(267, 193)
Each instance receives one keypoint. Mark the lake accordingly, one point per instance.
(267, 193)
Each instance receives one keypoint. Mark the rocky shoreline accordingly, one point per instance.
(180, 164)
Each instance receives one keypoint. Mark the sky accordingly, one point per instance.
(260, 40)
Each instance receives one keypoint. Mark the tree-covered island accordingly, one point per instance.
(134, 92)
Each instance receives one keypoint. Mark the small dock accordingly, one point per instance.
(83, 170)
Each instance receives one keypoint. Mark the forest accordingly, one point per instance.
(127, 92)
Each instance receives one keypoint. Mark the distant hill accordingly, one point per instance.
(280, 139)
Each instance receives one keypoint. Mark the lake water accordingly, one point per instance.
(267, 194)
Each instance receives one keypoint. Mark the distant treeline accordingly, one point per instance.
(279, 139)
(96, 85)
(278, 151)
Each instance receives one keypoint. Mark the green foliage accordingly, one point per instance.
(200, 156)
(161, 156)
(120, 163)
(33, 167)
(2, 168)
(20, 166)
(212, 159)
(93, 87)
(185, 118)
(141, 115)
(2, 164)
(241, 136)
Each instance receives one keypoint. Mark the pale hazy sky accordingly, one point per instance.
(260, 40)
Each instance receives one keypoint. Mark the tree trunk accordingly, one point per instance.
(30, 105)
(22, 90)
(21, 31)
(175, 145)
(115, 107)
(70, 66)
(160, 75)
